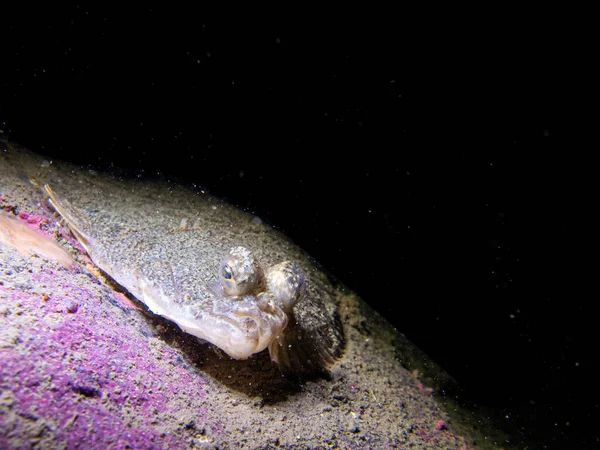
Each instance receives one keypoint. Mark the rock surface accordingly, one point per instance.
(84, 365)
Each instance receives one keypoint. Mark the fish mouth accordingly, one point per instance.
(238, 338)
(240, 326)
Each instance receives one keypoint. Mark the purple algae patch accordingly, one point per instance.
(93, 380)
(53, 385)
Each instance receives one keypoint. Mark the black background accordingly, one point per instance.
(422, 161)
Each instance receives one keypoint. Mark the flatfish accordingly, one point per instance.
(219, 273)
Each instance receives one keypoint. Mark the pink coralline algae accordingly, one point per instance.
(30, 218)
(77, 374)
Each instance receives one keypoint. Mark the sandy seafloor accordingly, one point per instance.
(84, 365)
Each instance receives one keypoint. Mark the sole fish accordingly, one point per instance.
(228, 278)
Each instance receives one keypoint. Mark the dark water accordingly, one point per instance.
(421, 163)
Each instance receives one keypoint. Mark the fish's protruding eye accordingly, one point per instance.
(287, 283)
(226, 272)
(240, 273)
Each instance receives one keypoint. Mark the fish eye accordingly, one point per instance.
(240, 273)
(226, 272)
(287, 283)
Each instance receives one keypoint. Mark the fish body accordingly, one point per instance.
(138, 233)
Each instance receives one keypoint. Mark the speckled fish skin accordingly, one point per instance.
(133, 231)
